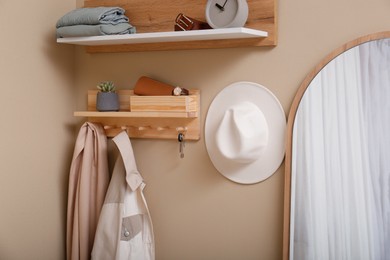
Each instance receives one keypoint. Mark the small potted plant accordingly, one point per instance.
(107, 99)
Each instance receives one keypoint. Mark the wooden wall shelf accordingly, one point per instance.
(154, 22)
(136, 114)
(151, 124)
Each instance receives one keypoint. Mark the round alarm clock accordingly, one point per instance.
(226, 13)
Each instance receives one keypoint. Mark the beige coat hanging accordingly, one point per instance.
(88, 182)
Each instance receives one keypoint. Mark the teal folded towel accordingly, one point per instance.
(93, 16)
(94, 30)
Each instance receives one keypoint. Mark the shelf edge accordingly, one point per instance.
(173, 36)
(121, 114)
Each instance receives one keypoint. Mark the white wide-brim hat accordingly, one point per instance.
(245, 132)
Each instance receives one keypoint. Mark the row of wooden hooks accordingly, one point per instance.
(178, 133)
(181, 129)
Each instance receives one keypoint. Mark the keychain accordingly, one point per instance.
(180, 138)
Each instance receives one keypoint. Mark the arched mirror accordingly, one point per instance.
(337, 186)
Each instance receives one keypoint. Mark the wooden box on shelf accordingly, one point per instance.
(164, 103)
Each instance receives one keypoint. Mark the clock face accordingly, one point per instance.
(226, 13)
(223, 17)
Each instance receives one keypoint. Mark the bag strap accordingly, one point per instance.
(133, 177)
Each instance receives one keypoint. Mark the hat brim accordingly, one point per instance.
(273, 155)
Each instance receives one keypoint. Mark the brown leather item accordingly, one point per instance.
(185, 23)
(149, 87)
(146, 86)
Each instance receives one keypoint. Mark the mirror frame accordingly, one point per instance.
(290, 125)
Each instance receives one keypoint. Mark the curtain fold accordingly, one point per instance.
(341, 164)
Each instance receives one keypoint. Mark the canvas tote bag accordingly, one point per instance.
(125, 228)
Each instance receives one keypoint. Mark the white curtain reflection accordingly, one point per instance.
(341, 159)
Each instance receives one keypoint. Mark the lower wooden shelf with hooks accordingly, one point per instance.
(172, 116)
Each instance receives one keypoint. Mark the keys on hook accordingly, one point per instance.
(180, 138)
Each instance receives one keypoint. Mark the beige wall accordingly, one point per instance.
(197, 213)
(37, 132)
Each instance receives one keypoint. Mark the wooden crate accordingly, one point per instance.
(163, 103)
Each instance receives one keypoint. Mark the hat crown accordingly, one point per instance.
(242, 134)
(245, 132)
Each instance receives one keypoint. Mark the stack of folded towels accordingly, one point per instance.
(94, 21)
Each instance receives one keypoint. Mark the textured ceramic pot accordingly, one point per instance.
(107, 101)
